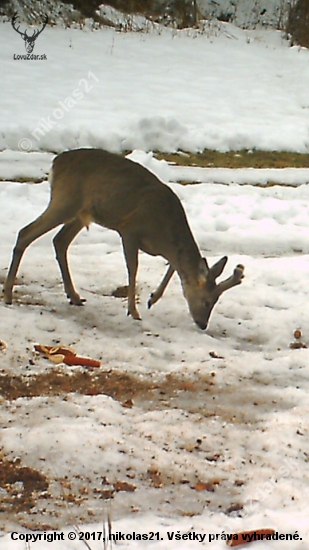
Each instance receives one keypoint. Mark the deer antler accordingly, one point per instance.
(24, 34)
(233, 280)
(14, 19)
(45, 21)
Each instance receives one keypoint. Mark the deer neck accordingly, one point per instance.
(186, 260)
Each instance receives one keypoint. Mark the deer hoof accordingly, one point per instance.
(135, 315)
(150, 302)
(77, 301)
(7, 299)
(7, 294)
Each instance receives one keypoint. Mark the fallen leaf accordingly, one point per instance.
(214, 355)
(244, 537)
(124, 486)
(297, 345)
(206, 486)
(235, 507)
(156, 479)
(213, 458)
(128, 404)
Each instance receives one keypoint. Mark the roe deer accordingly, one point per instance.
(92, 185)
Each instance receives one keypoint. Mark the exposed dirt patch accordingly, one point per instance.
(20, 485)
(121, 386)
(56, 382)
(170, 392)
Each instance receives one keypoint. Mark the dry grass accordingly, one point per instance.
(238, 159)
(215, 159)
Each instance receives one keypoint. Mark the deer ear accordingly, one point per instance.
(203, 270)
(217, 268)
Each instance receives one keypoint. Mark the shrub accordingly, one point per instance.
(89, 7)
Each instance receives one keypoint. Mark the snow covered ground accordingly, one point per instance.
(217, 440)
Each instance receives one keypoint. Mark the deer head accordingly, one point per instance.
(29, 40)
(203, 293)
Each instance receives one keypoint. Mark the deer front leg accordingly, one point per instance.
(130, 250)
(156, 295)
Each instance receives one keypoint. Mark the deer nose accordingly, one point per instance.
(202, 326)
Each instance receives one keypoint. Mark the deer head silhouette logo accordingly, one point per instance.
(29, 40)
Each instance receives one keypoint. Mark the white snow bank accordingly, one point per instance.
(122, 91)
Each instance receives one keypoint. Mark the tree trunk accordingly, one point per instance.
(298, 23)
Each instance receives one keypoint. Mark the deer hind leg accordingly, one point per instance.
(62, 242)
(130, 250)
(156, 295)
(44, 223)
